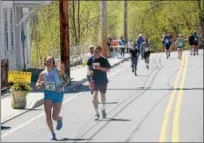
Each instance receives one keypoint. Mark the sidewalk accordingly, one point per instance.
(35, 98)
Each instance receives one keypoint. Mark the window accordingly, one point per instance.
(11, 28)
(6, 29)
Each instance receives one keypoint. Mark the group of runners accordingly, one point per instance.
(54, 79)
(141, 47)
(193, 39)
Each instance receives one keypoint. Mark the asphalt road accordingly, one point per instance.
(164, 103)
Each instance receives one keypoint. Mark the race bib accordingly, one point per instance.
(147, 49)
(166, 41)
(66, 78)
(95, 64)
(50, 86)
(180, 44)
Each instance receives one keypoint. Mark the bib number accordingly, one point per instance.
(147, 49)
(180, 44)
(167, 41)
(66, 78)
(50, 86)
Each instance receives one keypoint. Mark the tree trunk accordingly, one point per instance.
(36, 38)
(78, 21)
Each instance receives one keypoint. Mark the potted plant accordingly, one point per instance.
(19, 92)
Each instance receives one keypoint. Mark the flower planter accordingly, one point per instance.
(19, 99)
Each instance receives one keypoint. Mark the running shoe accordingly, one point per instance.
(59, 124)
(53, 137)
(104, 113)
(97, 116)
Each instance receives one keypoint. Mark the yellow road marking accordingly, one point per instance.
(169, 106)
(175, 130)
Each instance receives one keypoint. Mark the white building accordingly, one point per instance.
(14, 16)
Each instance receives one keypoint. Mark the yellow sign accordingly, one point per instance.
(19, 77)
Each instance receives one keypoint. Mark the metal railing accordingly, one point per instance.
(4, 75)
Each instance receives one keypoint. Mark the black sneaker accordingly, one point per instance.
(97, 116)
(147, 66)
(53, 137)
(104, 113)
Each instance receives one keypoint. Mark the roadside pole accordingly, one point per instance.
(104, 28)
(64, 35)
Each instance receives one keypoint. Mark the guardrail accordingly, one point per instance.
(4, 75)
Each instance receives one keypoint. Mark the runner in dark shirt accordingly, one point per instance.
(191, 43)
(134, 57)
(100, 66)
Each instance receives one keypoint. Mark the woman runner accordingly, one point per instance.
(52, 79)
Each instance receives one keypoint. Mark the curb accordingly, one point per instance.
(40, 101)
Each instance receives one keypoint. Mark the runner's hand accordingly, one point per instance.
(97, 67)
(39, 84)
(42, 83)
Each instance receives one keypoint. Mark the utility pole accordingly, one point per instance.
(104, 29)
(125, 20)
(64, 35)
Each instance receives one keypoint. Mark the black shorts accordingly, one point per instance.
(100, 87)
(134, 60)
(196, 43)
(146, 54)
(122, 50)
(167, 47)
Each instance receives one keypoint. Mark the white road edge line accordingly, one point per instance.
(40, 115)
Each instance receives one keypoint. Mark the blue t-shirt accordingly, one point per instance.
(196, 38)
(139, 42)
(167, 40)
(122, 42)
(99, 77)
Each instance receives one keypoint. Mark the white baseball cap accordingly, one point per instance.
(90, 46)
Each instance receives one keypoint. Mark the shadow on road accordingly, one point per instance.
(32, 109)
(114, 119)
(108, 102)
(5, 127)
(78, 89)
(141, 75)
(72, 139)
